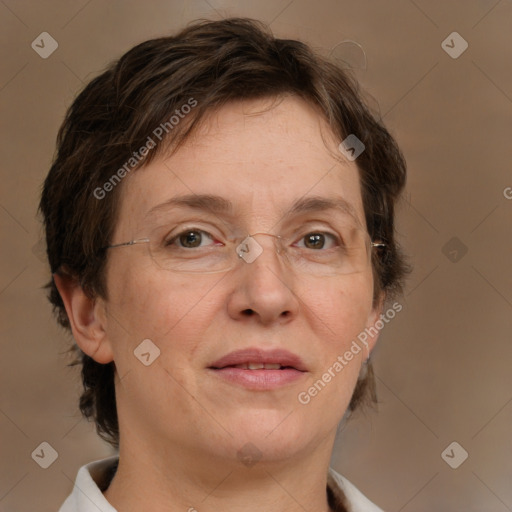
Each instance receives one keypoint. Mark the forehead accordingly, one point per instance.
(265, 158)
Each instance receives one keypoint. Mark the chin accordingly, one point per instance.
(273, 436)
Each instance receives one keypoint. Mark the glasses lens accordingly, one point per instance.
(309, 251)
(326, 253)
(191, 250)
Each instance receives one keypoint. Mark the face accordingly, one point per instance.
(262, 161)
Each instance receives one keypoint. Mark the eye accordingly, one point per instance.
(318, 240)
(190, 239)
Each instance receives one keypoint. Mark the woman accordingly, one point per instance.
(220, 228)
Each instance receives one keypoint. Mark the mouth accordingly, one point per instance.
(259, 369)
(258, 366)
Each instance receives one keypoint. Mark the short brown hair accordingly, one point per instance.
(213, 62)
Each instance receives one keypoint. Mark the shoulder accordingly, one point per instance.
(91, 480)
(357, 501)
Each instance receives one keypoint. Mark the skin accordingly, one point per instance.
(182, 427)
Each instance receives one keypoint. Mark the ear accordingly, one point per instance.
(372, 329)
(87, 318)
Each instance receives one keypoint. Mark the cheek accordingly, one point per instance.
(341, 306)
(341, 311)
(162, 308)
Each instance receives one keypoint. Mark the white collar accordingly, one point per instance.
(87, 496)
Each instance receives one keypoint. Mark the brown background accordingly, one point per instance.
(443, 364)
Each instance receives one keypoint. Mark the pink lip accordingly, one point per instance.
(258, 355)
(262, 379)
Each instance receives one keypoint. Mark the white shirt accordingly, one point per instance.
(87, 496)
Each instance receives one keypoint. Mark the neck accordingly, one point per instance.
(170, 481)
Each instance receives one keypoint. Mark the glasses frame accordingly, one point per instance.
(138, 241)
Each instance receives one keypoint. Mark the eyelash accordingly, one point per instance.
(176, 237)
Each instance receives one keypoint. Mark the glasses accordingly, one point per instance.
(346, 250)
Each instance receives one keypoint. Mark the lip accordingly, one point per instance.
(261, 379)
(258, 355)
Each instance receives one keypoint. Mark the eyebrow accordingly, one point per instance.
(222, 206)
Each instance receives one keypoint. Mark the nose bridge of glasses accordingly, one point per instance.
(277, 238)
(249, 248)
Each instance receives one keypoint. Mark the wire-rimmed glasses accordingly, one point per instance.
(313, 251)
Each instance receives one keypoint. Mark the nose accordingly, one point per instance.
(264, 287)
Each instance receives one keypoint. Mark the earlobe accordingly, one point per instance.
(87, 318)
